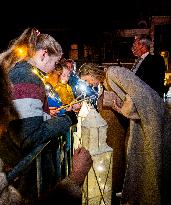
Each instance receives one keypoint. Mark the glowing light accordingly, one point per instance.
(102, 186)
(49, 90)
(100, 167)
(97, 188)
(82, 86)
(52, 95)
(35, 71)
(21, 51)
(47, 86)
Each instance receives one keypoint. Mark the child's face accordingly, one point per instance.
(65, 76)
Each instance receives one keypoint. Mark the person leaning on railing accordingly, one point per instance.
(33, 49)
(13, 164)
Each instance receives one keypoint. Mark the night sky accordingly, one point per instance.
(83, 18)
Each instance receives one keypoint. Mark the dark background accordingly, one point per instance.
(68, 21)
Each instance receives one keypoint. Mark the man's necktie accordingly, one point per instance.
(134, 67)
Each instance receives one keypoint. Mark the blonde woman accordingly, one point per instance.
(148, 150)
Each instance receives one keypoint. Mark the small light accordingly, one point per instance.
(102, 186)
(100, 168)
(21, 51)
(35, 71)
(82, 86)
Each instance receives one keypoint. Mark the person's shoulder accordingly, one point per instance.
(149, 57)
(20, 67)
(113, 69)
(159, 59)
(156, 57)
(22, 64)
(22, 73)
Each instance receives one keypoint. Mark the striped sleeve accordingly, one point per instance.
(28, 92)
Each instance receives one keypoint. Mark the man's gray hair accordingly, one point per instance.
(145, 40)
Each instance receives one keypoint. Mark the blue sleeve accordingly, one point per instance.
(35, 131)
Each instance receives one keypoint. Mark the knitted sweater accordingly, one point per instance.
(29, 98)
(35, 126)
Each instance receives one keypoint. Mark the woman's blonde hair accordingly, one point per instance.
(93, 70)
(25, 46)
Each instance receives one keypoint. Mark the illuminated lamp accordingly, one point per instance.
(85, 108)
(97, 188)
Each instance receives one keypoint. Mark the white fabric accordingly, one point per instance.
(28, 107)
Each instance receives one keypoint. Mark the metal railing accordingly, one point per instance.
(62, 163)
